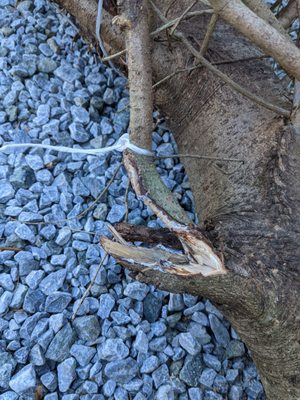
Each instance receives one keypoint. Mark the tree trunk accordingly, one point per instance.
(251, 213)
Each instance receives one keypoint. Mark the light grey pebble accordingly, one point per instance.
(49, 380)
(6, 282)
(5, 301)
(188, 343)
(23, 380)
(161, 376)
(136, 290)
(63, 236)
(235, 348)
(116, 214)
(113, 349)
(80, 115)
(207, 377)
(67, 73)
(53, 282)
(82, 354)
(106, 305)
(25, 233)
(149, 365)
(46, 65)
(66, 373)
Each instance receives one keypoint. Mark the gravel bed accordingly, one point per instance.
(128, 340)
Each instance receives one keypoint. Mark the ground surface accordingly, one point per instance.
(128, 340)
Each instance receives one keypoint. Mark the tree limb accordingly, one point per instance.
(261, 33)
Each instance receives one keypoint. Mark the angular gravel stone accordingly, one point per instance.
(152, 307)
(78, 133)
(121, 371)
(53, 282)
(212, 362)
(6, 192)
(46, 65)
(136, 290)
(116, 214)
(191, 371)
(195, 394)
(57, 302)
(113, 349)
(49, 380)
(18, 296)
(24, 380)
(63, 236)
(219, 330)
(6, 282)
(5, 375)
(235, 348)
(107, 303)
(87, 327)
(67, 73)
(80, 115)
(25, 233)
(207, 377)
(59, 347)
(5, 301)
(66, 373)
(188, 343)
(83, 354)
(149, 365)
(161, 376)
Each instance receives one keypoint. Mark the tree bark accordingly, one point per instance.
(250, 214)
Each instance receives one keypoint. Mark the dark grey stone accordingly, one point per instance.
(80, 115)
(57, 302)
(191, 371)
(59, 347)
(235, 348)
(152, 307)
(212, 362)
(219, 330)
(87, 327)
(78, 133)
(34, 301)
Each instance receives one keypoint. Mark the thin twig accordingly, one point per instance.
(182, 16)
(115, 55)
(199, 157)
(88, 289)
(116, 235)
(126, 201)
(276, 4)
(256, 99)
(209, 32)
(10, 249)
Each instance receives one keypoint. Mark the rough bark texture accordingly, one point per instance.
(251, 214)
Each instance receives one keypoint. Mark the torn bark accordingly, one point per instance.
(288, 14)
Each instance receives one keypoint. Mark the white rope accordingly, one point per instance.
(122, 144)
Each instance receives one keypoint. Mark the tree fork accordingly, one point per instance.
(253, 214)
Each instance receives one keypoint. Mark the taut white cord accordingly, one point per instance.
(122, 144)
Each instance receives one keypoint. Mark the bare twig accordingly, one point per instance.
(126, 201)
(10, 249)
(182, 16)
(276, 4)
(258, 100)
(116, 235)
(209, 32)
(88, 289)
